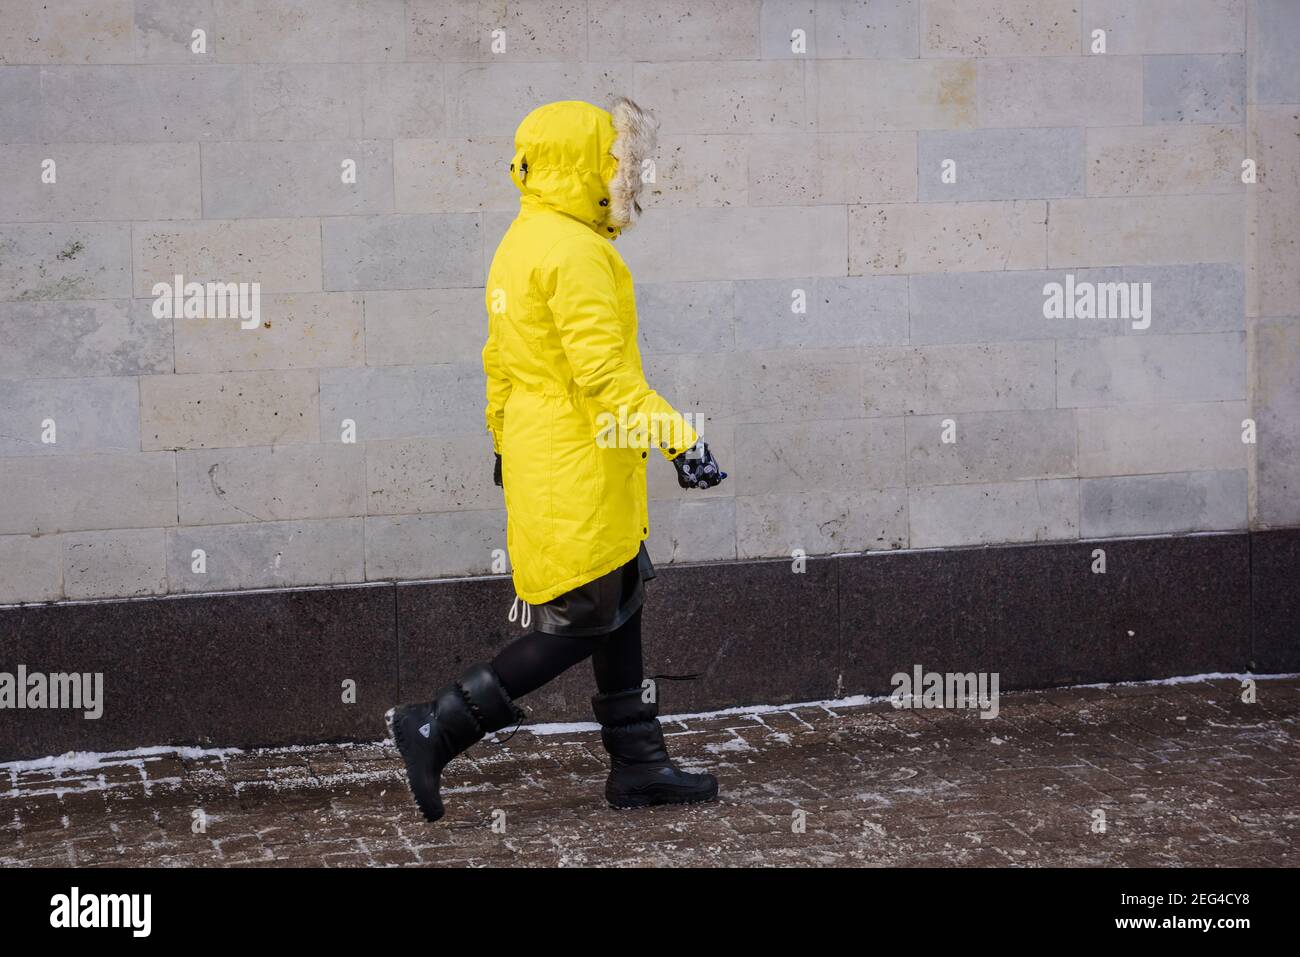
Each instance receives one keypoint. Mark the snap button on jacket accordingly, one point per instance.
(561, 357)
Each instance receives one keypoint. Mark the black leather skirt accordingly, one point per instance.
(600, 606)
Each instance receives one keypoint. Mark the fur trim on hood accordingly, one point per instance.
(636, 134)
(584, 161)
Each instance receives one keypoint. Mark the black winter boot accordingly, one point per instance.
(429, 735)
(641, 773)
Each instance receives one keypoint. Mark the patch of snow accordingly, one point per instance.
(90, 760)
(1188, 680)
(561, 727)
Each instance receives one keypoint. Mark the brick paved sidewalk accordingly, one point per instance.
(1185, 774)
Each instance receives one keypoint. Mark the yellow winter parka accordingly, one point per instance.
(568, 406)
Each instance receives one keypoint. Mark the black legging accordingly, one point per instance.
(534, 659)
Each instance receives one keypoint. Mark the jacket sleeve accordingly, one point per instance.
(498, 386)
(579, 281)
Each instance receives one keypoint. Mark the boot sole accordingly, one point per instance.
(631, 801)
(431, 815)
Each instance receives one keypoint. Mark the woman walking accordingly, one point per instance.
(572, 421)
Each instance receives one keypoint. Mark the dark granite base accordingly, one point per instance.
(755, 632)
(1039, 616)
(266, 668)
(258, 668)
(1275, 600)
(444, 627)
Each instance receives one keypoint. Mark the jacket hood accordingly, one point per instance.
(584, 161)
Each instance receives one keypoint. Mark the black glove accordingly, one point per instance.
(697, 468)
(496, 472)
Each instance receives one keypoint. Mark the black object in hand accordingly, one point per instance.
(697, 468)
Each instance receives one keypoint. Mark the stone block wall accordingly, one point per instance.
(808, 277)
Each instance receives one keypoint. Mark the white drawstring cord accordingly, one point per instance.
(527, 618)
